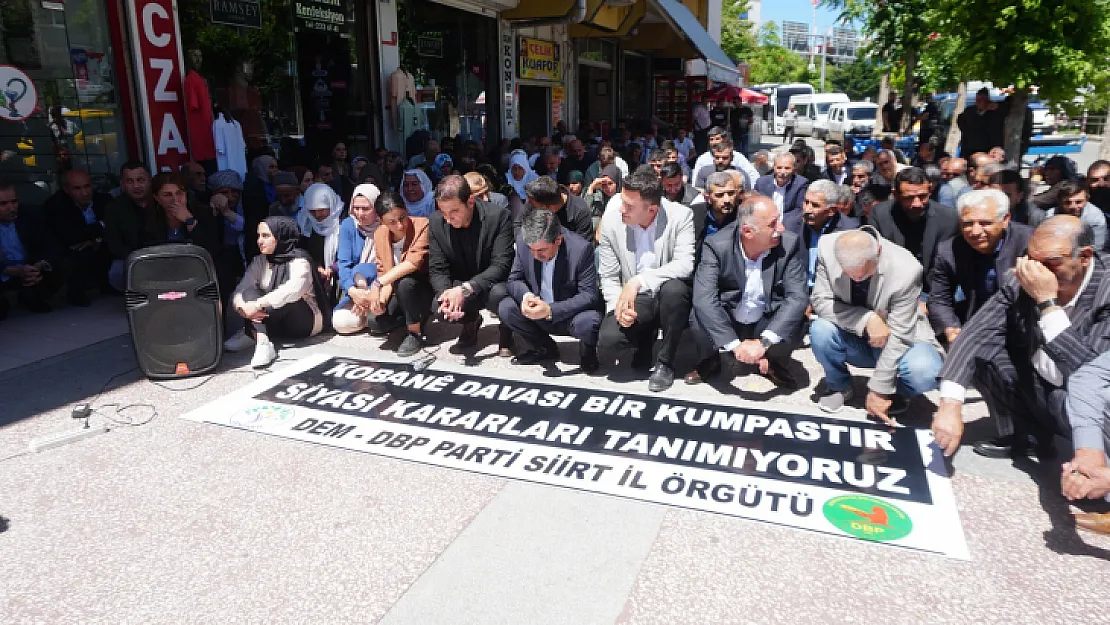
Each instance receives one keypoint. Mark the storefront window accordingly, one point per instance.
(635, 87)
(452, 57)
(292, 79)
(59, 100)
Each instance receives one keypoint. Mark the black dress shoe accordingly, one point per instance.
(641, 359)
(469, 335)
(587, 358)
(661, 379)
(504, 338)
(535, 357)
(705, 370)
(1012, 446)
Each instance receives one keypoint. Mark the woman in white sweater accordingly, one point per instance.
(279, 294)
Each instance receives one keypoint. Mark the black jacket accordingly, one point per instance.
(575, 282)
(495, 251)
(67, 221)
(719, 286)
(980, 133)
(941, 223)
(954, 268)
(37, 243)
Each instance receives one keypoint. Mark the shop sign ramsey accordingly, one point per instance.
(540, 60)
(429, 47)
(242, 13)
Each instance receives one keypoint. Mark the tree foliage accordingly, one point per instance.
(737, 38)
(859, 79)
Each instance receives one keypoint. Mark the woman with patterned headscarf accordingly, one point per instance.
(280, 294)
(443, 166)
(319, 222)
(418, 193)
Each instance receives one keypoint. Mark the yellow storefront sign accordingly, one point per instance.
(540, 60)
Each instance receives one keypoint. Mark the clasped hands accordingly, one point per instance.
(533, 307)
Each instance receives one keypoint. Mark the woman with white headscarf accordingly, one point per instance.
(418, 193)
(520, 174)
(320, 222)
(356, 261)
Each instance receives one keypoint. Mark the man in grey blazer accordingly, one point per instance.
(750, 294)
(645, 262)
(866, 314)
(1049, 319)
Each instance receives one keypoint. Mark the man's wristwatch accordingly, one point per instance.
(467, 289)
(190, 222)
(1048, 303)
(765, 342)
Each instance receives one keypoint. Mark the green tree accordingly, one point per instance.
(859, 79)
(769, 34)
(1058, 46)
(900, 31)
(737, 39)
(776, 64)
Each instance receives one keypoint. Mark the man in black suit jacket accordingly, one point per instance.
(1048, 319)
(972, 266)
(470, 249)
(819, 216)
(717, 208)
(75, 216)
(759, 323)
(572, 211)
(783, 186)
(914, 221)
(552, 290)
(27, 255)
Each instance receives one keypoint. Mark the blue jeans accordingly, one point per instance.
(835, 349)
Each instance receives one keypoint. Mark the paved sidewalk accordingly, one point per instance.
(181, 522)
(27, 338)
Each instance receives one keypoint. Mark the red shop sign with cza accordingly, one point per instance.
(157, 36)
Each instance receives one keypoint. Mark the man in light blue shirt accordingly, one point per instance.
(24, 251)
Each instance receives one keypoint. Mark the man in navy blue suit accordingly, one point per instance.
(819, 216)
(785, 187)
(552, 290)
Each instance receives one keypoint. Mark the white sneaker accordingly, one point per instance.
(239, 342)
(264, 355)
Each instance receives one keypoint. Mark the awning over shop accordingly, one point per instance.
(721, 68)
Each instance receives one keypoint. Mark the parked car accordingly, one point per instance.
(853, 119)
(813, 112)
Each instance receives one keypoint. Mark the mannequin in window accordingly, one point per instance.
(246, 106)
(198, 113)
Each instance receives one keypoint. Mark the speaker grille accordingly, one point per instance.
(174, 308)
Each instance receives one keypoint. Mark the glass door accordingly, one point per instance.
(60, 104)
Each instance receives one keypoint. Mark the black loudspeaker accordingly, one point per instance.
(174, 310)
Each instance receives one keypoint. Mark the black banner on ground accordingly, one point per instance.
(814, 472)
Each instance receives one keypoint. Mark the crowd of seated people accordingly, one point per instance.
(949, 276)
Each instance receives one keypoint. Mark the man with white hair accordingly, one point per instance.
(784, 186)
(866, 314)
(969, 268)
(819, 216)
(735, 313)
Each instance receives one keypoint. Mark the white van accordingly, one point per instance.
(856, 119)
(813, 112)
